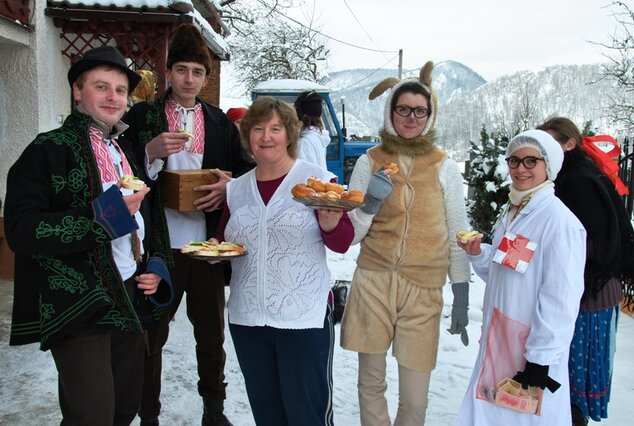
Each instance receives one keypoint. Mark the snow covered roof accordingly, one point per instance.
(152, 4)
(214, 40)
(288, 85)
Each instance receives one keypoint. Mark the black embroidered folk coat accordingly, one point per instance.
(65, 273)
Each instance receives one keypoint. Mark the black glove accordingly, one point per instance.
(537, 376)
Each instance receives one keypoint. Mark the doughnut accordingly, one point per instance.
(317, 184)
(302, 190)
(335, 187)
(353, 195)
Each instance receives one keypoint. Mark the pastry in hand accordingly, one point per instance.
(468, 236)
(390, 168)
(131, 182)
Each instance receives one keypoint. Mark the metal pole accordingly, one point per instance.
(400, 64)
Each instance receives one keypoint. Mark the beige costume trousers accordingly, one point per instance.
(413, 387)
(385, 309)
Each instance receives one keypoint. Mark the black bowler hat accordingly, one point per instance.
(104, 55)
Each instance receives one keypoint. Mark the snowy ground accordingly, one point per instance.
(28, 387)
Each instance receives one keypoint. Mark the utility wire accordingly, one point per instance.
(325, 35)
(369, 75)
(361, 26)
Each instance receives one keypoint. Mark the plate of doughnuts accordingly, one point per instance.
(318, 194)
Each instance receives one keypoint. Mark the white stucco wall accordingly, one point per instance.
(33, 88)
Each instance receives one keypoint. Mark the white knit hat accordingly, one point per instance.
(541, 141)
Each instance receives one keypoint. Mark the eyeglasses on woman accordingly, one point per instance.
(528, 162)
(405, 111)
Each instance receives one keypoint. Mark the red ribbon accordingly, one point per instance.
(604, 160)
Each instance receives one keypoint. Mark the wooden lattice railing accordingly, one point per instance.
(144, 44)
(16, 10)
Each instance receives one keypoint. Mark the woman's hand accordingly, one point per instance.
(216, 193)
(328, 219)
(472, 247)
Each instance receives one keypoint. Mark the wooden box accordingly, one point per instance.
(178, 187)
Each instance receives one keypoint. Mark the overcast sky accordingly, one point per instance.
(493, 37)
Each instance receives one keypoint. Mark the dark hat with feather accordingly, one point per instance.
(393, 83)
(188, 46)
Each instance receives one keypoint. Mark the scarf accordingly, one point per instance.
(519, 199)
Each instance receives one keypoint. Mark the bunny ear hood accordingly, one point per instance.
(382, 87)
(424, 80)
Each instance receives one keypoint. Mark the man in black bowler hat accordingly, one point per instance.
(88, 277)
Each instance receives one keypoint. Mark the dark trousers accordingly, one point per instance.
(287, 373)
(204, 285)
(100, 376)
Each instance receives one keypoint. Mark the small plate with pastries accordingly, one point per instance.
(213, 250)
(318, 194)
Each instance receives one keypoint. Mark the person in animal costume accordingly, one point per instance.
(413, 208)
(180, 131)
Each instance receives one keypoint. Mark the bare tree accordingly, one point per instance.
(268, 44)
(620, 66)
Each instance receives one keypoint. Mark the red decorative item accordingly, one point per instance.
(605, 160)
(515, 252)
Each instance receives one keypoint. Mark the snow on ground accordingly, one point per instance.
(28, 387)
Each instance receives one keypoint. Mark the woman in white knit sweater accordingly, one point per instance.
(280, 306)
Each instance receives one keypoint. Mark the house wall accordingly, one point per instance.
(34, 95)
(211, 92)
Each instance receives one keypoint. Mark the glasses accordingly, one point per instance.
(527, 162)
(405, 111)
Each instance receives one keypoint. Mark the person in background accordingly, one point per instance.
(592, 197)
(280, 307)
(83, 280)
(533, 272)
(406, 230)
(236, 114)
(209, 140)
(313, 139)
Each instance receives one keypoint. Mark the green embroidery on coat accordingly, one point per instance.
(71, 229)
(152, 115)
(58, 183)
(62, 276)
(74, 182)
(115, 318)
(76, 179)
(146, 136)
(46, 311)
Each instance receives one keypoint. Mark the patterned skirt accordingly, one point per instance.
(591, 361)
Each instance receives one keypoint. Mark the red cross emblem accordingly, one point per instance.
(515, 252)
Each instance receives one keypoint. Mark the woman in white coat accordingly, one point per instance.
(533, 272)
(313, 138)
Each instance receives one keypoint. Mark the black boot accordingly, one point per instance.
(578, 419)
(150, 422)
(213, 413)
